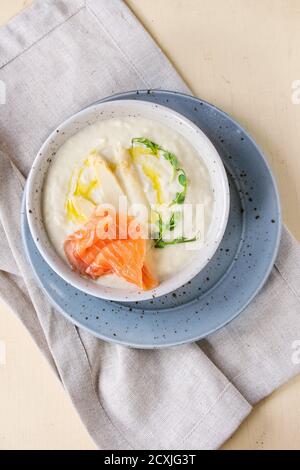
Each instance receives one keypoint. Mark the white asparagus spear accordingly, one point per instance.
(109, 185)
(132, 186)
(129, 177)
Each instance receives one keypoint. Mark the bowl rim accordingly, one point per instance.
(61, 267)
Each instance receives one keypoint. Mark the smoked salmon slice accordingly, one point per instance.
(93, 255)
(149, 281)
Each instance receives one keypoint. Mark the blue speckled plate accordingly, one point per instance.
(231, 279)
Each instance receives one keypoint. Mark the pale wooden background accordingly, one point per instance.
(243, 56)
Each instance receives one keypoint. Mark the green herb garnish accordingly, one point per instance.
(172, 159)
(147, 143)
(173, 221)
(179, 197)
(159, 242)
(163, 243)
(160, 226)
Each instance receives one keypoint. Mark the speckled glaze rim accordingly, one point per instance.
(102, 111)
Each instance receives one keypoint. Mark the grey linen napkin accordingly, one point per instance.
(55, 58)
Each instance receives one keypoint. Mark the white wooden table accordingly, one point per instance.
(243, 56)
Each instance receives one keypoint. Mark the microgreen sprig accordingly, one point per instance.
(159, 242)
(180, 196)
(172, 159)
(176, 241)
(147, 143)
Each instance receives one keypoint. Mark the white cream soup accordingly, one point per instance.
(140, 175)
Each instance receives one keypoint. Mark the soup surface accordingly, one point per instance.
(150, 164)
